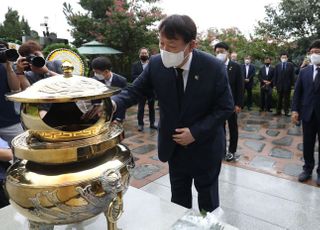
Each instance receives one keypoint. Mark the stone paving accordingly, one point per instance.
(267, 144)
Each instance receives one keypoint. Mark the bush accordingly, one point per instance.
(256, 96)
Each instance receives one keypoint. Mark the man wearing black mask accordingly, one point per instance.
(265, 77)
(283, 80)
(136, 70)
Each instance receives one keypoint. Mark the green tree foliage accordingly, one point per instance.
(291, 19)
(257, 48)
(120, 24)
(13, 28)
(293, 24)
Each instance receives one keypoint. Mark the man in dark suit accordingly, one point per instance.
(194, 100)
(102, 72)
(248, 71)
(136, 70)
(265, 77)
(283, 80)
(237, 87)
(306, 107)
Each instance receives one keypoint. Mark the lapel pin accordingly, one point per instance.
(196, 77)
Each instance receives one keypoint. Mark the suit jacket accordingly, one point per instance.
(206, 104)
(263, 76)
(251, 73)
(136, 70)
(306, 97)
(284, 79)
(121, 82)
(236, 82)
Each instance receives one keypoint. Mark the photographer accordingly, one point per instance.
(31, 66)
(9, 120)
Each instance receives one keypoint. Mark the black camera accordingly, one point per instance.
(7, 54)
(35, 60)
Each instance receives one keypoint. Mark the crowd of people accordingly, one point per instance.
(197, 93)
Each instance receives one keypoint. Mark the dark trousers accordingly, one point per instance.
(3, 198)
(205, 181)
(310, 130)
(265, 98)
(233, 132)
(141, 105)
(283, 96)
(249, 97)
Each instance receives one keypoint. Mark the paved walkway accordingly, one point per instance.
(267, 144)
(259, 191)
(256, 201)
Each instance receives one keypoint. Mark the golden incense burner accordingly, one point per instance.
(72, 166)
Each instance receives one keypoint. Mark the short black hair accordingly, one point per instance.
(315, 44)
(222, 45)
(4, 44)
(143, 48)
(178, 25)
(101, 63)
(284, 53)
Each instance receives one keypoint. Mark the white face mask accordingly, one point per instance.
(284, 60)
(170, 59)
(99, 76)
(222, 56)
(315, 59)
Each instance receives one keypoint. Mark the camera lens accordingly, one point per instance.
(8, 54)
(38, 62)
(12, 54)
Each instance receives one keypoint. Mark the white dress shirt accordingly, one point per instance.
(108, 82)
(186, 69)
(267, 70)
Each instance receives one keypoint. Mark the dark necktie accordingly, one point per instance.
(284, 66)
(179, 84)
(316, 81)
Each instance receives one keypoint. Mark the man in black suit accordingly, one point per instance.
(283, 80)
(102, 72)
(248, 71)
(136, 70)
(306, 107)
(237, 87)
(194, 100)
(265, 77)
(234, 57)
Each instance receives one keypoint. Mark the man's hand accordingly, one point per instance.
(295, 117)
(246, 80)
(116, 122)
(95, 112)
(183, 136)
(22, 64)
(237, 109)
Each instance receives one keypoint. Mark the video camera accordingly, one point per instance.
(7, 54)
